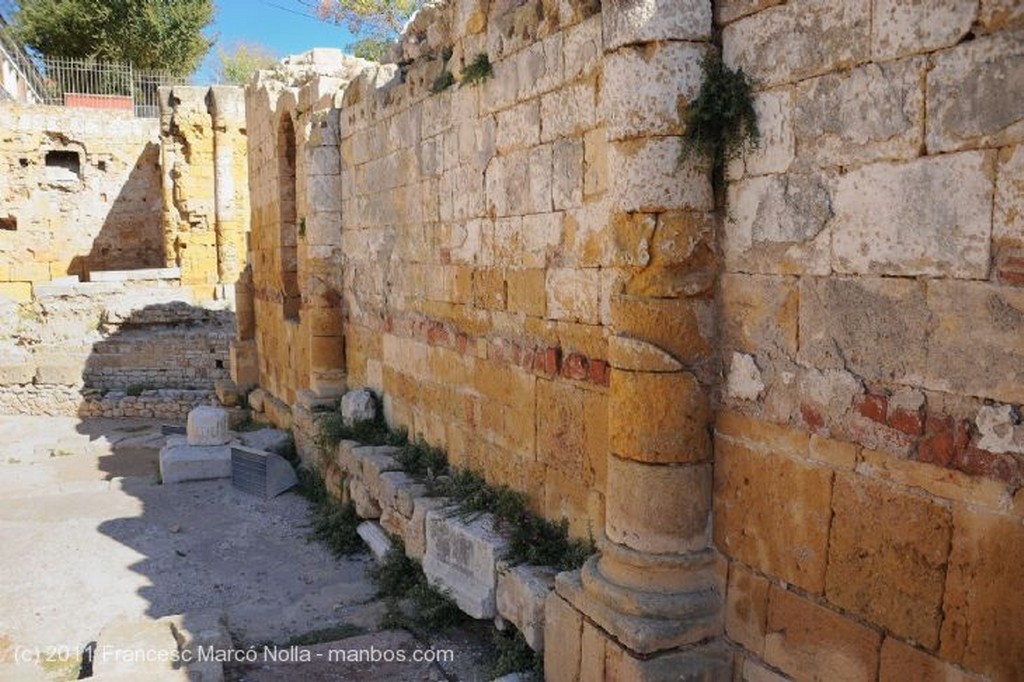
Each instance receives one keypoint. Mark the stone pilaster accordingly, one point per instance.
(651, 601)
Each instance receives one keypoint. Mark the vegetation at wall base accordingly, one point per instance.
(421, 460)
(479, 70)
(532, 539)
(721, 123)
(513, 655)
(332, 429)
(412, 603)
(334, 522)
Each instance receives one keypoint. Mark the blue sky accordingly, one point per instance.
(284, 26)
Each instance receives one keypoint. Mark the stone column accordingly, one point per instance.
(649, 606)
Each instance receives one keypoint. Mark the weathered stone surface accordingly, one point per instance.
(180, 462)
(874, 328)
(982, 628)
(375, 538)
(358, 406)
(900, 662)
(365, 503)
(563, 630)
(682, 327)
(399, 491)
(633, 355)
(822, 36)
(773, 513)
(729, 10)
(776, 147)
(208, 426)
(649, 106)
(759, 313)
(416, 529)
(644, 21)
(976, 94)
(746, 608)
(646, 510)
(650, 178)
(976, 320)
(900, 28)
(658, 417)
(779, 225)
(869, 113)
(1008, 216)
(807, 641)
(932, 216)
(462, 558)
(887, 557)
(744, 381)
(271, 440)
(997, 15)
(998, 430)
(521, 596)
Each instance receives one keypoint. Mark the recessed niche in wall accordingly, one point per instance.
(23, 162)
(8, 222)
(63, 166)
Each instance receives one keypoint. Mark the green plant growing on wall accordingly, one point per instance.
(479, 70)
(721, 123)
(443, 82)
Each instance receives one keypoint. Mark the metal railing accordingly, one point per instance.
(103, 85)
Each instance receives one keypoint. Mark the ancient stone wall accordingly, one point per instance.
(205, 195)
(79, 192)
(534, 278)
(868, 450)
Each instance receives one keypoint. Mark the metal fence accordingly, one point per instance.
(103, 85)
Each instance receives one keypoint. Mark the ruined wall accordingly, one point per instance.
(205, 195)
(868, 452)
(289, 304)
(79, 192)
(74, 343)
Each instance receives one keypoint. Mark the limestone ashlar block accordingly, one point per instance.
(901, 662)
(932, 216)
(808, 641)
(375, 538)
(658, 508)
(634, 107)
(397, 490)
(181, 462)
(644, 21)
(976, 94)
(746, 608)
(822, 36)
(521, 596)
(773, 513)
(887, 557)
(900, 28)
(780, 225)
(877, 328)
(869, 113)
(563, 628)
(982, 629)
(650, 178)
(416, 529)
(976, 320)
(462, 557)
(658, 417)
(759, 312)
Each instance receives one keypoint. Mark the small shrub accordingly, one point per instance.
(333, 523)
(135, 390)
(422, 460)
(513, 655)
(478, 71)
(412, 603)
(443, 82)
(721, 122)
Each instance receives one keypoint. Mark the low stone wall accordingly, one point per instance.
(167, 404)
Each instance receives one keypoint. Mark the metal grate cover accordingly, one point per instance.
(260, 473)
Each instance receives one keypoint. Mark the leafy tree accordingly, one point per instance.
(151, 34)
(236, 66)
(377, 21)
